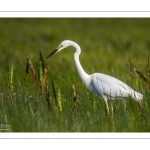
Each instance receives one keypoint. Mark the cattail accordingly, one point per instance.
(133, 68)
(59, 100)
(30, 68)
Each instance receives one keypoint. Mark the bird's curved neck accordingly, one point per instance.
(83, 75)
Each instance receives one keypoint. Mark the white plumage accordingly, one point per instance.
(112, 88)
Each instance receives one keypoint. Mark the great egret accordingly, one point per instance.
(108, 87)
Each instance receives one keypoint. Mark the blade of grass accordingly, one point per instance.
(148, 69)
(10, 76)
(74, 99)
(131, 73)
(48, 98)
(54, 92)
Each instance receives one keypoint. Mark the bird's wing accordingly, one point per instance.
(105, 85)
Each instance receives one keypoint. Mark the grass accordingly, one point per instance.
(48, 104)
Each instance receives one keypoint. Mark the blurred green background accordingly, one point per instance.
(106, 43)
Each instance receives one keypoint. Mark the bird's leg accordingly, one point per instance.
(107, 106)
(106, 101)
(112, 109)
(141, 108)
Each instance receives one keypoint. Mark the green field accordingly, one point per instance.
(107, 45)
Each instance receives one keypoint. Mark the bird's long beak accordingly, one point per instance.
(53, 52)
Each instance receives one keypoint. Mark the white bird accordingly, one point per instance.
(108, 87)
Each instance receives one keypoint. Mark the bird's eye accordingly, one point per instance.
(60, 46)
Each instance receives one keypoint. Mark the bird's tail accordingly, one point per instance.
(137, 96)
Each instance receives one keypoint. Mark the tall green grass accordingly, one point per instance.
(36, 95)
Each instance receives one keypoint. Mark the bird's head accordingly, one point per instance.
(61, 46)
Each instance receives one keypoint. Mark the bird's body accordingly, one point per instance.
(109, 88)
(112, 88)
